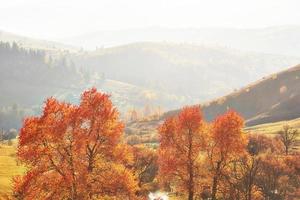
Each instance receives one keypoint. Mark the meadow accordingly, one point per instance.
(8, 166)
(273, 128)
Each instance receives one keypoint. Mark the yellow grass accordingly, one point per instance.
(273, 128)
(8, 166)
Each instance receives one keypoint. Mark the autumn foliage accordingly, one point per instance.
(217, 160)
(181, 140)
(226, 143)
(75, 152)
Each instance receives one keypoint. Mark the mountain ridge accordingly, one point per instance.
(277, 39)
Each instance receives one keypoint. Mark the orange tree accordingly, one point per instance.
(75, 152)
(226, 143)
(181, 140)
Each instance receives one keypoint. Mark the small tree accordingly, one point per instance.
(145, 168)
(134, 115)
(288, 137)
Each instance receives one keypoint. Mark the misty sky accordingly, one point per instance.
(50, 19)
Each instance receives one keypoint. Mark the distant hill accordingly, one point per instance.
(162, 75)
(31, 43)
(272, 99)
(282, 40)
(29, 76)
(197, 73)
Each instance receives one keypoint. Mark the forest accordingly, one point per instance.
(78, 152)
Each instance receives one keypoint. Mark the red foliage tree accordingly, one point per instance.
(226, 143)
(75, 152)
(181, 140)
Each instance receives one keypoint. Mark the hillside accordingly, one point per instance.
(159, 75)
(31, 43)
(196, 72)
(273, 98)
(29, 76)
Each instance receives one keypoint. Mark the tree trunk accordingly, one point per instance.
(249, 193)
(249, 196)
(190, 168)
(214, 188)
(286, 150)
(215, 182)
(191, 195)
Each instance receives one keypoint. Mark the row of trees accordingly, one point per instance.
(201, 160)
(8, 135)
(78, 152)
(19, 64)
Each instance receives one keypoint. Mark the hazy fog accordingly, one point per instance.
(159, 53)
(61, 19)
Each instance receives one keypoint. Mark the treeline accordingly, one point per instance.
(78, 152)
(28, 76)
(11, 116)
(39, 67)
(8, 135)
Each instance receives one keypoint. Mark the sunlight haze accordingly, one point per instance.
(58, 19)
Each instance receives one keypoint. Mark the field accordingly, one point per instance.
(273, 128)
(8, 166)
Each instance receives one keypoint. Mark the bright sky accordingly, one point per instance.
(51, 19)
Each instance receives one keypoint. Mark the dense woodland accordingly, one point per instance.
(78, 152)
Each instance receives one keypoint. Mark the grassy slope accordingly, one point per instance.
(8, 166)
(271, 99)
(273, 128)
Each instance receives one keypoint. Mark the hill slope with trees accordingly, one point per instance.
(197, 72)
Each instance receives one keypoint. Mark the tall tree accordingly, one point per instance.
(226, 143)
(181, 140)
(75, 152)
